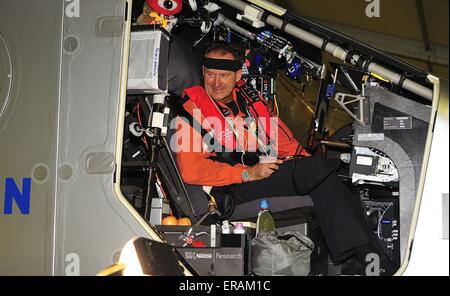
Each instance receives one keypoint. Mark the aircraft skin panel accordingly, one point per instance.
(28, 132)
(90, 91)
(58, 126)
(429, 235)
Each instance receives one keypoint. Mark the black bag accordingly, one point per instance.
(276, 253)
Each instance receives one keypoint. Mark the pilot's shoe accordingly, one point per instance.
(352, 267)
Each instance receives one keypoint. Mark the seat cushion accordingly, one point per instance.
(277, 204)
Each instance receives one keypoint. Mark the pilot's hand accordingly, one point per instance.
(263, 170)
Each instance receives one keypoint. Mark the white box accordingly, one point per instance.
(148, 61)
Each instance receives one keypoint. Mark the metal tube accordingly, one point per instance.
(239, 5)
(273, 8)
(223, 20)
(338, 52)
(296, 32)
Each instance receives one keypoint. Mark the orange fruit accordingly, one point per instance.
(184, 221)
(169, 220)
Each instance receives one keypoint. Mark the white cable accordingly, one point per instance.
(260, 144)
(379, 221)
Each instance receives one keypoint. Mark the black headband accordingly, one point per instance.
(222, 64)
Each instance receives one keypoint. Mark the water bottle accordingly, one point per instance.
(265, 222)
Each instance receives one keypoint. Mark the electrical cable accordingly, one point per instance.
(298, 151)
(276, 105)
(379, 222)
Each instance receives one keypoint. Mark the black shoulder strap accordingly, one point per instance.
(180, 111)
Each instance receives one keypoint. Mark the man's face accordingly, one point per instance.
(220, 83)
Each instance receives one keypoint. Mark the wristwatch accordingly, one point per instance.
(245, 176)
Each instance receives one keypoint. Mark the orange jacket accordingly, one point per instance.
(196, 168)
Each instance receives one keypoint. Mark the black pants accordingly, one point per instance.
(338, 209)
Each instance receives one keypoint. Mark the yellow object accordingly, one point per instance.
(378, 77)
(276, 105)
(213, 200)
(364, 79)
(115, 269)
(158, 19)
